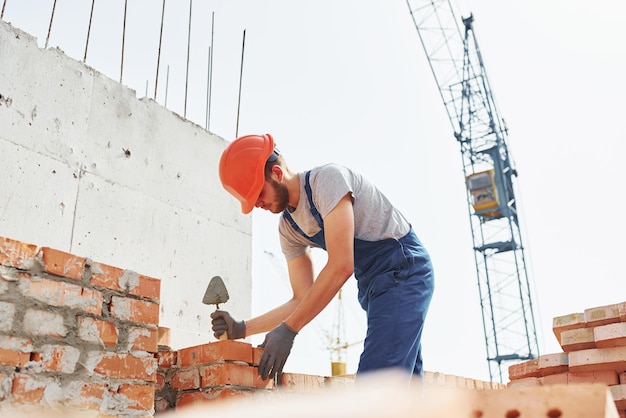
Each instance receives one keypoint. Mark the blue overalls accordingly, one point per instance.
(395, 282)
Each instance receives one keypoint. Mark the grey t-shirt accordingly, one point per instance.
(375, 218)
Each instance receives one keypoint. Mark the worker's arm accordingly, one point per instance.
(339, 237)
(301, 278)
(309, 297)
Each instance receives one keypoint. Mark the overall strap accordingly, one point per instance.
(319, 237)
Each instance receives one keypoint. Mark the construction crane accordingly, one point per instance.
(503, 284)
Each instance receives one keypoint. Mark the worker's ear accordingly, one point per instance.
(277, 173)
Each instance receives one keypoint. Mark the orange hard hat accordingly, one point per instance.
(242, 168)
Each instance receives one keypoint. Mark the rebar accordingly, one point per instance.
(243, 46)
(50, 25)
(188, 49)
(93, 3)
(123, 39)
(156, 79)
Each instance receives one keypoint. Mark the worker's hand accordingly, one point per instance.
(223, 322)
(277, 346)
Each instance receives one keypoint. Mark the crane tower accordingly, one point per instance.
(503, 284)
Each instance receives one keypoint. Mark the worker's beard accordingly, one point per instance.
(282, 197)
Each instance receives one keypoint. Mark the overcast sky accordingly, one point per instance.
(348, 82)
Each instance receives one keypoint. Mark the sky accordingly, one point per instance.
(347, 81)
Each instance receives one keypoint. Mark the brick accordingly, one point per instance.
(613, 358)
(137, 396)
(86, 395)
(554, 379)
(161, 380)
(621, 308)
(528, 368)
(257, 353)
(62, 294)
(27, 389)
(16, 343)
(524, 382)
(142, 339)
(567, 322)
(610, 335)
(186, 379)
(219, 351)
(619, 395)
(602, 315)
(122, 366)
(606, 377)
(167, 359)
(63, 264)
(148, 287)
(304, 382)
(13, 358)
(232, 374)
(211, 395)
(577, 339)
(39, 322)
(165, 337)
(135, 310)
(127, 281)
(553, 363)
(338, 382)
(97, 331)
(588, 401)
(57, 358)
(17, 254)
(7, 314)
(622, 377)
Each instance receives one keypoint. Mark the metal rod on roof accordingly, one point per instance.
(123, 39)
(54, 6)
(210, 76)
(243, 46)
(188, 48)
(208, 90)
(167, 84)
(3, 6)
(93, 3)
(156, 80)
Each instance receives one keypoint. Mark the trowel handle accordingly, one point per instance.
(224, 336)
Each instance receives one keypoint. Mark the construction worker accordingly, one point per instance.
(333, 208)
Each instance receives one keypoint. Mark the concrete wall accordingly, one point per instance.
(88, 168)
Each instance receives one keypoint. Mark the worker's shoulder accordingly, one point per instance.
(330, 169)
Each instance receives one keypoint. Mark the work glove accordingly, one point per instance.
(277, 346)
(223, 322)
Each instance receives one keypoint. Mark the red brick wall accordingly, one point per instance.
(75, 333)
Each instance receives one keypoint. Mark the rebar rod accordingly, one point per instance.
(243, 46)
(188, 49)
(54, 6)
(93, 3)
(123, 39)
(156, 79)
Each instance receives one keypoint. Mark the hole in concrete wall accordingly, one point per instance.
(513, 413)
(554, 413)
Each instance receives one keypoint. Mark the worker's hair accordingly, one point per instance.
(269, 164)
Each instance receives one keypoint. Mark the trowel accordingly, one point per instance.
(215, 294)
